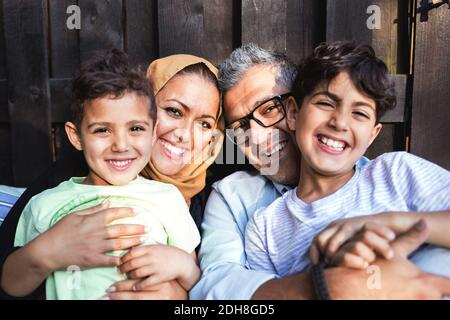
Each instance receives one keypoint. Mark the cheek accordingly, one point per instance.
(201, 138)
(166, 125)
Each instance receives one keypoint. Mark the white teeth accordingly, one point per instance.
(171, 148)
(120, 163)
(332, 143)
(276, 149)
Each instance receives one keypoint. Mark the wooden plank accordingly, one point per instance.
(198, 27)
(347, 20)
(398, 113)
(4, 112)
(141, 39)
(101, 26)
(61, 91)
(64, 48)
(430, 129)
(2, 45)
(28, 98)
(290, 26)
(5, 155)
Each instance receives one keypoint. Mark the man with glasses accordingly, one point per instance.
(255, 84)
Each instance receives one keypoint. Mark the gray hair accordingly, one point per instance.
(248, 55)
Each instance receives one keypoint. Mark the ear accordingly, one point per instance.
(155, 129)
(73, 135)
(291, 113)
(375, 131)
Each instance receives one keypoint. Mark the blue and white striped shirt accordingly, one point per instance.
(8, 196)
(278, 237)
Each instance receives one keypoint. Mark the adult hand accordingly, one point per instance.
(82, 238)
(398, 278)
(123, 290)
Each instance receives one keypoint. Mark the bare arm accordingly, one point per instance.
(79, 239)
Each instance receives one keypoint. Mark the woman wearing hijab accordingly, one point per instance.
(189, 134)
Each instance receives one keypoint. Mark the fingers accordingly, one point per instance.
(314, 254)
(111, 214)
(135, 253)
(148, 283)
(122, 243)
(141, 272)
(412, 239)
(344, 233)
(133, 264)
(124, 285)
(349, 260)
(376, 243)
(100, 207)
(102, 260)
(123, 230)
(130, 295)
(321, 241)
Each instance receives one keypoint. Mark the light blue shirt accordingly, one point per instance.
(231, 204)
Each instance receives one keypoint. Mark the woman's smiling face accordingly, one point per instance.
(187, 107)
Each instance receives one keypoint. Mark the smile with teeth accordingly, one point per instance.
(120, 164)
(171, 148)
(278, 148)
(332, 144)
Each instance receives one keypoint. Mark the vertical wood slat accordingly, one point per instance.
(2, 45)
(28, 97)
(430, 129)
(195, 27)
(64, 48)
(293, 27)
(141, 30)
(347, 20)
(101, 26)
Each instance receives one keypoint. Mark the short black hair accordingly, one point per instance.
(368, 73)
(109, 74)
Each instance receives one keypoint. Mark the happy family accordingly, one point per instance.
(142, 225)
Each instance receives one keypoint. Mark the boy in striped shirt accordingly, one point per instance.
(340, 93)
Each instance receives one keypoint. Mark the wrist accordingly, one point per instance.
(40, 253)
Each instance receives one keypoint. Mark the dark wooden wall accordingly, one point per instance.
(38, 56)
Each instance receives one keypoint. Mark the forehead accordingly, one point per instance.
(257, 85)
(192, 90)
(121, 109)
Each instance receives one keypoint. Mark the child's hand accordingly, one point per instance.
(160, 263)
(361, 250)
(361, 237)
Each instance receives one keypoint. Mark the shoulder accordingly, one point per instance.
(241, 182)
(394, 161)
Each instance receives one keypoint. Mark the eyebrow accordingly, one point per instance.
(185, 106)
(256, 104)
(337, 99)
(109, 123)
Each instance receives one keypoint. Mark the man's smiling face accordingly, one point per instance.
(268, 147)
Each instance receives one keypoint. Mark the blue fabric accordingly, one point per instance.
(8, 196)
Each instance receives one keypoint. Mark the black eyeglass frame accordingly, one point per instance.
(250, 116)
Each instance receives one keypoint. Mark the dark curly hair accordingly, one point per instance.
(368, 73)
(109, 74)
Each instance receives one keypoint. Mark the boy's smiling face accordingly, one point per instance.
(334, 126)
(115, 136)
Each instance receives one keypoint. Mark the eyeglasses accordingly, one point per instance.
(266, 114)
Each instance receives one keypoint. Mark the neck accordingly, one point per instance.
(313, 186)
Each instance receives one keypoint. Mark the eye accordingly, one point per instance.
(101, 130)
(361, 114)
(137, 128)
(325, 104)
(174, 112)
(206, 125)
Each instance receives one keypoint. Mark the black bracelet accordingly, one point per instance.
(319, 281)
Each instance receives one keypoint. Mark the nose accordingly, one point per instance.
(120, 143)
(183, 133)
(339, 120)
(258, 134)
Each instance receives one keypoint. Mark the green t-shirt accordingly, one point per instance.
(160, 206)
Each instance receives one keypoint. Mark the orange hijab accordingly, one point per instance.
(191, 179)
